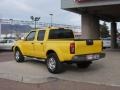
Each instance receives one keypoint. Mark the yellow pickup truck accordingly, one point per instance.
(57, 46)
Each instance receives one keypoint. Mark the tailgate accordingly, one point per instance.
(88, 46)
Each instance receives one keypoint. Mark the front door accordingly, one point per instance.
(28, 44)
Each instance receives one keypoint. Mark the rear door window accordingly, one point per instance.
(41, 35)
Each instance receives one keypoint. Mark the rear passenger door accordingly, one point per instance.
(39, 44)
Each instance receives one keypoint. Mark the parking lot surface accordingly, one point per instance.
(6, 56)
(102, 72)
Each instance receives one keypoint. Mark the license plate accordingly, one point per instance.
(90, 57)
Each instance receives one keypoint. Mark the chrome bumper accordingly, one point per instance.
(88, 57)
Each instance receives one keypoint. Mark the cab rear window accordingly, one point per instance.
(61, 34)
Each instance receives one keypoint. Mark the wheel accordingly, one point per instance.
(83, 64)
(18, 56)
(53, 64)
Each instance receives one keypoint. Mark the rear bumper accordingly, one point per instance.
(88, 57)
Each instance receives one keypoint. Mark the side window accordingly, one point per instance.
(10, 41)
(41, 35)
(31, 36)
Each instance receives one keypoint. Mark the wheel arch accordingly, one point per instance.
(58, 54)
(50, 51)
(16, 48)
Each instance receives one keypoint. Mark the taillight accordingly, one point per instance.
(72, 48)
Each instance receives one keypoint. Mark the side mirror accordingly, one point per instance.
(23, 38)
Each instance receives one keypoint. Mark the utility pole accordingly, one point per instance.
(0, 27)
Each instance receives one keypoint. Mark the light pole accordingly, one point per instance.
(51, 19)
(35, 19)
(0, 26)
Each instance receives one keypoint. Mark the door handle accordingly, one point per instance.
(41, 43)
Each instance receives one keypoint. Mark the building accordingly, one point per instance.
(77, 35)
(91, 12)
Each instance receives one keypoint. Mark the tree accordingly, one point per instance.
(104, 32)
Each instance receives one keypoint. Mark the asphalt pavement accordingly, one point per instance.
(53, 85)
(6, 56)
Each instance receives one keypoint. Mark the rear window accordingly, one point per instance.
(61, 34)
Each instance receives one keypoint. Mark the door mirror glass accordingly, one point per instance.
(22, 38)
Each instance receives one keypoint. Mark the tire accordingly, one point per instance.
(104, 47)
(53, 64)
(12, 48)
(83, 64)
(18, 56)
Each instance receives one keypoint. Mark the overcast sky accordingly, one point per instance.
(23, 9)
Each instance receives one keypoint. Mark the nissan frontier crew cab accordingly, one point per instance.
(57, 46)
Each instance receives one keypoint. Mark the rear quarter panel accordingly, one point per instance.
(61, 48)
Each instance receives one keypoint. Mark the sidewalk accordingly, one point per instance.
(53, 85)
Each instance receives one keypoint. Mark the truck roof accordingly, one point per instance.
(49, 28)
